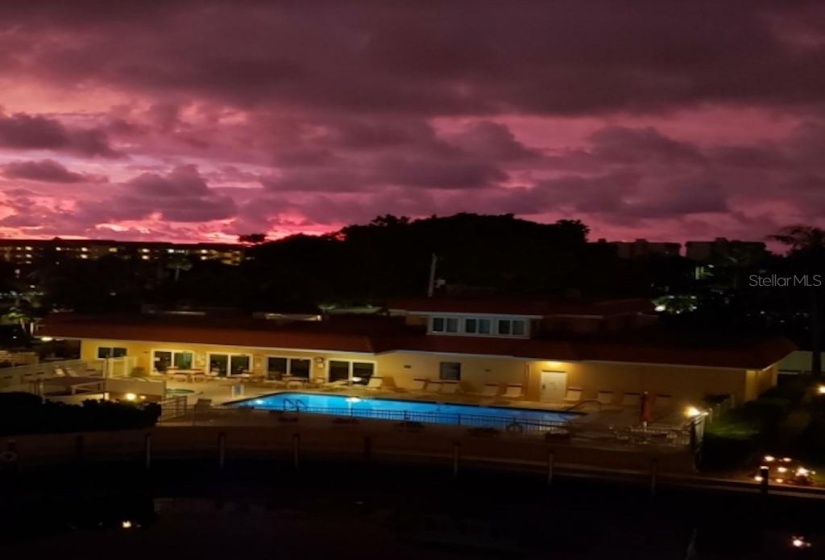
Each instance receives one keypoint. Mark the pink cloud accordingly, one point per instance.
(210, 119)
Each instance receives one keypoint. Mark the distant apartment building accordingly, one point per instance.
(722, 250)
(27, 252)
(642, 248)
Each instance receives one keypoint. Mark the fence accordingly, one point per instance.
(466, 420)
(586, 434)
(173, 407)
(716, 410)
(288, 441)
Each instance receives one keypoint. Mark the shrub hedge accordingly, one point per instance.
(25, 413)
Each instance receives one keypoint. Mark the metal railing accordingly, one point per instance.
(465, 420)
(173, 407)
(597, 435)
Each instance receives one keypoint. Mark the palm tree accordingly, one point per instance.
(178, 263)
(807, 244)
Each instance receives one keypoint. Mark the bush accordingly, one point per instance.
(23, 413)
(812, 440)
(727, 450)
(793, 389)
(766, 412)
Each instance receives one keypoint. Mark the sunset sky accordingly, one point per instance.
(194, 120)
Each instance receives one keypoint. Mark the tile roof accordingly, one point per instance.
(524, 306)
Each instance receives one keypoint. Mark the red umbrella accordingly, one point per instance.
(645, 408)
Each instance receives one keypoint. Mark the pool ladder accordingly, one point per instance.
(296, 404)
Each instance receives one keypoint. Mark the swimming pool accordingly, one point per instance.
(413, 411)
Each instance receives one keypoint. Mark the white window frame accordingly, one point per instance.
(350, 363)
(208, 364)
(492, 322)
(289, 364)
(173, 352)
(97, 352)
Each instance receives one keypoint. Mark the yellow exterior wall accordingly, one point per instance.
(687, 385)
(142, 351)
(476, 371)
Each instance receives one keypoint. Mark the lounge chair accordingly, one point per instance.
(605, 397)
(388, 384)
(630, 399)
(418, 385)
(573, 395)
(513, 392)
(374, 384)
(449, 388)
(334, 386)
(490, 390)
(432, 387)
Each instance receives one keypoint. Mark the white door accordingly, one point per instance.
(553, 385)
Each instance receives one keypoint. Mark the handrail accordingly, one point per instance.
(296, 404)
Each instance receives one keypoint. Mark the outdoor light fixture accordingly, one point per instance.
(49, 339)
(130, 397)
(820, 389)
(799, 542)
(126, 524)
(783, 471)
(692, 412)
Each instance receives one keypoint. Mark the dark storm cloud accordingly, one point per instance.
(342, 111)
(180, 196)
(460, 57)
(47, 171)
(35, 132)
(626, 145)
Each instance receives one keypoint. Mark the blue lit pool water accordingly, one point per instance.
(414, 411)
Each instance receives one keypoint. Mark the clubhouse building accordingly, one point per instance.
(528, 350)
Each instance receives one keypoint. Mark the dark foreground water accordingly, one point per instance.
(265, 509)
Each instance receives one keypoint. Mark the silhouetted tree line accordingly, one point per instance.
(25, 413)
(390, 257)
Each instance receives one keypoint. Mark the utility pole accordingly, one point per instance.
(433, 264)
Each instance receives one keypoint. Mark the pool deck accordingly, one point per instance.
(221, 393)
